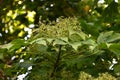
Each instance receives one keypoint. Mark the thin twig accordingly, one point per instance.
(57, 62)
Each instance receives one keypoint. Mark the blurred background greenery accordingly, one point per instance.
(19, 17)
(98, 19)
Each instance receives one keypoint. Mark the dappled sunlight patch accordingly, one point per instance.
(30, 15)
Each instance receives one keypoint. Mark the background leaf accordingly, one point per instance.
(108, 37)
(115, 48)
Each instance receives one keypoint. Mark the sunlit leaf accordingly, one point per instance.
(50, 40)
(109, 36)
(8, 46)
(60, 42)
(75, 45)
(75, 37)
(39, 41)
(89, 42)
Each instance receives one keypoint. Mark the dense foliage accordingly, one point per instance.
(61, 51)
(17, 15)
(80, 47)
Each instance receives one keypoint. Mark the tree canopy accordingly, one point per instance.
(60, 39)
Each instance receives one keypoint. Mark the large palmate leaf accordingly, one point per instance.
(39, 41)
(75, 36)
(61, 41)
(75, 45)
(109, 36)
(89, 42)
